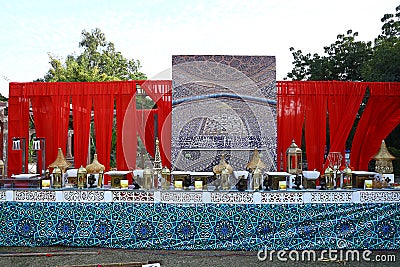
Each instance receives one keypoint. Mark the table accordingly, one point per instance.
(22, 181)
(201, 220)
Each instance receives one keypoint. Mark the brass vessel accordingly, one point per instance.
(222, 165)
(60, 161)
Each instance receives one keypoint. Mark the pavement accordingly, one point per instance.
(104, 257)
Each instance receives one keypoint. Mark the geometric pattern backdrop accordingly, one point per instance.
(201, 226)
(222, 104)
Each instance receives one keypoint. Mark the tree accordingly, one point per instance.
(99, 61)
(384, 64)
(343, 60)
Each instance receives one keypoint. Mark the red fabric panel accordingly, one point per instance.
(290, 119)
(314, 98)
(343, 104)
(18, 125)
(161, 93)
(126, 127)
(103, 106)
(380, 117)
(145, 121)
(51, 116)
(81, 114)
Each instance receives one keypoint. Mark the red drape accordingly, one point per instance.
(380, 117)
(314, 98)
(145, 120)
(51, 108)
(103, 106)
(81, 115)
(290, 119)
(161, 93)
(18, 125)
(343, 104)
(126, 127)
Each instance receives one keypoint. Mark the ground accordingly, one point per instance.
(104, 256)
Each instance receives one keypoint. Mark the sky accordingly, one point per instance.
(151, 31)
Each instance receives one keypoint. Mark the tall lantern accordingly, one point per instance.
(383, 163)
(56, 180)
(294, 159)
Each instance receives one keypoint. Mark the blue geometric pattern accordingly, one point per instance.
(201, 226)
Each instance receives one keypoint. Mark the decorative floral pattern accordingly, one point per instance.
(201, 226)
(34, 195)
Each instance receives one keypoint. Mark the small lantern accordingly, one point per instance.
(294, 159)
(100, 179)
(225, 179)
(347, 178)
(383, 163)
(257, 179)
(82, 173)
(329, 178)
(166, 178)
(147, 178)
(56, 181)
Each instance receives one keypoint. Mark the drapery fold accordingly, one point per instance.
(81, 116)
(126, 127)
(18, 126)
(145, 121)
(161, 93)
(343, 104)
(51, 115)
(290, 119)
(103, 106)
(314, 98)
(380, 117)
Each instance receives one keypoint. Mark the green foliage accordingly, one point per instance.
(99, 61)
(385, 62)
(342, 61)
(3, 98)
(349, 60)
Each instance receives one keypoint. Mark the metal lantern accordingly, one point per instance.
(56, 179)
(257, 179)
(81, 177)
(147, 178)
(166, 178)
(225, 179)
(100, 179)
(294, 159)
(347, 178)
(329, 178)
(383, 163)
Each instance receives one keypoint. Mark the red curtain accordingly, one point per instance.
(103, 106)
(126, 127)
(18, 126)
(81, 114)
(314, 98)
(145, 120)
(290, 119)
(380, 117)
(51, 110)
(161, 93)
(343, 104)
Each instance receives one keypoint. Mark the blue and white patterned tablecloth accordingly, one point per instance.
(148, 223)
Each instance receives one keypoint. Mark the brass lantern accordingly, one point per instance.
(347, 178)
(56, 178)
(225, 179)
(81, 177)
(294, 159)
(166, 178)
(329, 178)
(257, 179)
(147, 178)
(383, 163)
(100, 179)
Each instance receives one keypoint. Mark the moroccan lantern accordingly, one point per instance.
(294, 159)
(329, 178)
(81, 177)
(257, 179)
(225, 179)
(166, 178)
(56, 179)
(347, 178)
(383, 163)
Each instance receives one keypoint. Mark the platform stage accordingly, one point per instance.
(201, 220)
